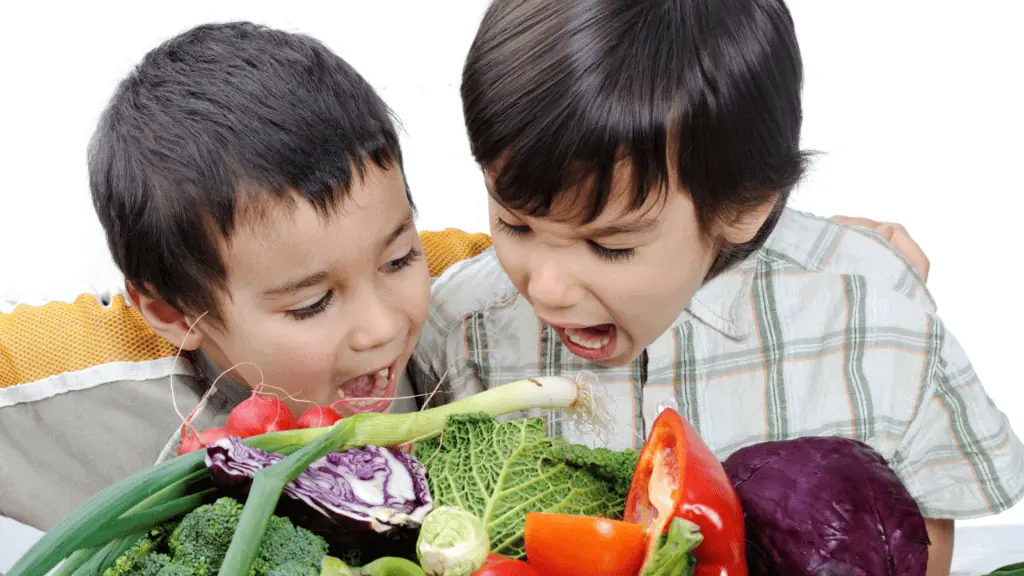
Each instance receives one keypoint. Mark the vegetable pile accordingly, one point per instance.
(451, 491)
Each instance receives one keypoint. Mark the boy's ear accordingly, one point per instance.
(165, 320)
(742, 223)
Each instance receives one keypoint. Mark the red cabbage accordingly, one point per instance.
(826, 506)
(363, 499)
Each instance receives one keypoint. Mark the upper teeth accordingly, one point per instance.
(584, 339)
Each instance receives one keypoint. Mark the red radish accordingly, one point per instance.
(259, 415)
(190, 441)
(318, 416)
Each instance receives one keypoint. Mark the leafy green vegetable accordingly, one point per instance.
(500, 471)
(452, 542)
(674, 554)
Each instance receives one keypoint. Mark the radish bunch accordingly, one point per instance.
(254, 416)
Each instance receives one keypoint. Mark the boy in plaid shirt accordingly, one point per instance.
(638, 158)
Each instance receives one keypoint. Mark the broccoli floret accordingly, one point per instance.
(287, 544)
(174, 570)
(201, 540)
(141, 559)
(203, 537)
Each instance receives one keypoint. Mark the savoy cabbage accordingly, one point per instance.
(500, 471)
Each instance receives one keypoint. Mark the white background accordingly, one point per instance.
(916, 105)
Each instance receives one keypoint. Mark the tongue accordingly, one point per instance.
(599, 330)
(361, 387)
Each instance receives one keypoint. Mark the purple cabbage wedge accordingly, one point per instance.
(826, 506)
(369, 499)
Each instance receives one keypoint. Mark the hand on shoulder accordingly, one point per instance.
(897, 236)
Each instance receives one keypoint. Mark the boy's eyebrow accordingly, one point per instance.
(616, 228)
(297, 285)
(314, 279)
(395, 234)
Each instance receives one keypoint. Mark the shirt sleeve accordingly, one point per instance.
(959, 458)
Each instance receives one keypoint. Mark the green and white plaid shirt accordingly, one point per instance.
(825, 331)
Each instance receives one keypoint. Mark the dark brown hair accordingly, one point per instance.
(558, 93)
(208, 120)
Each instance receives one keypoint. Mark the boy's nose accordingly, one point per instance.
(375, 323)
(551, 285)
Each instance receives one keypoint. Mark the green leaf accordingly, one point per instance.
(674, 554)
(500, 471)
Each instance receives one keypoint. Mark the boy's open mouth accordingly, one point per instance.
(371, 392)
(592, 342)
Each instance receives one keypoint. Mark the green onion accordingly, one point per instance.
(76, 561)
(146, 519)
(104, 557)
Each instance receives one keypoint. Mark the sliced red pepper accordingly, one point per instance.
(560, 544)
(677, 475)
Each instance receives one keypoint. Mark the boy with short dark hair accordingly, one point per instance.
(638, 157)
(250, 185)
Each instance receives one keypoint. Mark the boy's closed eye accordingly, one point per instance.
(611, 254)
(320, 303)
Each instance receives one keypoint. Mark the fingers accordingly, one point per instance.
(897, 236)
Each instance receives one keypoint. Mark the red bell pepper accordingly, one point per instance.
(498, 565)
(678, 476)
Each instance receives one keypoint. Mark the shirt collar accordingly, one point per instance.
(725, 302)
(228, 389)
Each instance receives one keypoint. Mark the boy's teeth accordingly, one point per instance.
(582, 338)
(380, 382)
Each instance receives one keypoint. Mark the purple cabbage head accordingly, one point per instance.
(826, 506)
(364, 498)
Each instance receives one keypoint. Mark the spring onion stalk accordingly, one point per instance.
(76, 561)
(550, 392)
(146, 519)
(105, 557)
